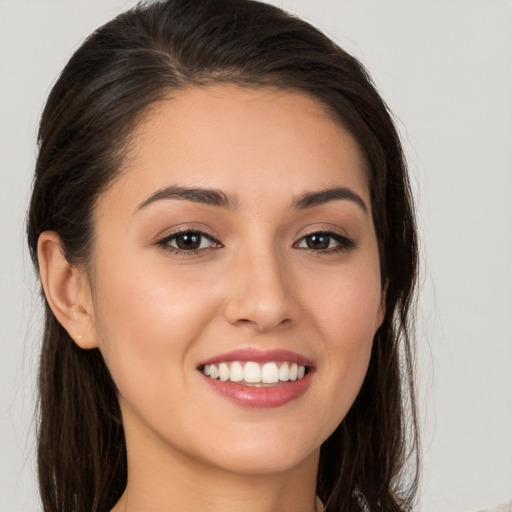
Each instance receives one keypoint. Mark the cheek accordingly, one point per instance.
(348, 309)
(347, 315)
(146, 322)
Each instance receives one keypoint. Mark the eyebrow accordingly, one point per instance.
(213, 197)
(207, 196)
(310, 199)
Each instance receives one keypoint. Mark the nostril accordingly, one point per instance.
(263, 322)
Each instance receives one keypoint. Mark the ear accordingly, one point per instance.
(67, 291)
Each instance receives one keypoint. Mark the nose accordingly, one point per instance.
(261, 294)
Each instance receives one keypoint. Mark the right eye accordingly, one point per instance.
(325, 242)
(188, 242)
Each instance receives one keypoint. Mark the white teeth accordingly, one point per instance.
(223, 371)
(293, 371)
(269, 373)
(284, 372)
(254, 373)
(237, 372)
(214, 371)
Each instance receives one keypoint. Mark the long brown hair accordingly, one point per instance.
(121, 70)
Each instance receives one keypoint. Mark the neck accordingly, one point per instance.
(162, 479)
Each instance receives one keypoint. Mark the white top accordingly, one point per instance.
(507, 507)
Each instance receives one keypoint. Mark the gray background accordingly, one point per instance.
(445, 69)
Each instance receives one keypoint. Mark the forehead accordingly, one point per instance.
(244, 141)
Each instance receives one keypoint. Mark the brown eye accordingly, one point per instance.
(318, 242)
(325, 241)
(188, 241)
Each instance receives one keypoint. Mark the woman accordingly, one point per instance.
(222, 224)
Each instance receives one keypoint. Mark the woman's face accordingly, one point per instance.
(238, 240)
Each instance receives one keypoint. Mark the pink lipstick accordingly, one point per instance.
(256, 378)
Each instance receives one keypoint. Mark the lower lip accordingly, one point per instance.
(271, 396)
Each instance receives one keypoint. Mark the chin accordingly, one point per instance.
(263, 456)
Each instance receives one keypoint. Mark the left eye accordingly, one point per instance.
(188, 241)
(324, 242)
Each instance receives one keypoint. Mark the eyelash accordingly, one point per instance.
(164, 243)
(344, 243)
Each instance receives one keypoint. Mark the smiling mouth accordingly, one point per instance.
(255, 374)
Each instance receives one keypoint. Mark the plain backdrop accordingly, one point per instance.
(445, 70)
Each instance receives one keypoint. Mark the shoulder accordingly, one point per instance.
(507, 507)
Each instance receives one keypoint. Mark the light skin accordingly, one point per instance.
(280, 264)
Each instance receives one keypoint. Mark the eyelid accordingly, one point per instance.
(164, 241)
(344, 242)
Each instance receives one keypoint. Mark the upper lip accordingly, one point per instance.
(259, 356)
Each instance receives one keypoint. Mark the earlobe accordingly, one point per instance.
(67, 291)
